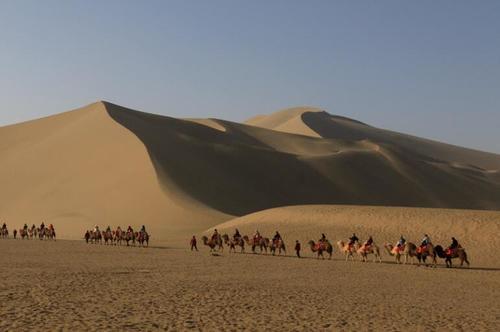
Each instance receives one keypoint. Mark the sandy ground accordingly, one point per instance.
(69, 285)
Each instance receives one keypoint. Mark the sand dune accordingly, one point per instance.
(106, 164)
(316, 123)
(81, 168)
(477, 231)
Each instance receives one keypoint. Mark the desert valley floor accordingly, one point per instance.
(69, 285)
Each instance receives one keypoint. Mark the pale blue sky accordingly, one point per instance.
(429, 68)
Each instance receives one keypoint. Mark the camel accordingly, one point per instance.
(262, 243)
(320, 248)
(4, 233)
(143, 239)
(108, 237)
(23, 234)
(232, 243)
(213, 243)
(129, 236)
(32, 232)
(347, 250)
(424, 252)
(407, 250)
(278, 244)
(365, 250)
(448, 255)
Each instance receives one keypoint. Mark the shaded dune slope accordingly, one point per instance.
(243, 169)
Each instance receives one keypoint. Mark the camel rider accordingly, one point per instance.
(323, 238)
(425, 241)
(353, 239)
(236, 235)
(215, 235)
(454, 244)
(256, 236)
(143, 229)
(51, 227)
(129, 229)
(96, 229)
(108, 229)
(25, 227)
(277, 237)
(42, 226)
(33, 227)
(4, 226)
(368, 242)
(401, 242)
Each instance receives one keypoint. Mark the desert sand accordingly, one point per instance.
(68, 285)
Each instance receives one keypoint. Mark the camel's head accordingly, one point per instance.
(311, 242)
(204, 238)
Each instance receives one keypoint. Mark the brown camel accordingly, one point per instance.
(232, 243)
(278, 244)
(213, 243)
(262, 243)
(347, 250)
(408, 250)
(319, 248)
(366, 250)
(424, 252)
(448, 255)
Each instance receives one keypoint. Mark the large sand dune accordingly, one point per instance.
(106, 164)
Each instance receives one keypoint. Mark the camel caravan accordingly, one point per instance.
(30, 233)
(274, 246)
(353, 249)
(117, 236)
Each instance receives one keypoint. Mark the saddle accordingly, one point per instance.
(422, 249)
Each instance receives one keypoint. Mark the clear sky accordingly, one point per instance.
(429, 68)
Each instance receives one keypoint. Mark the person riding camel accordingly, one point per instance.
(51, 227)
(108, 229)
(25, 227)
(401, 242)
(323, 239)
(256, 236)
(453, 246)
(96, 229)
(129, 229)
(33, 227)
(215, 235)
(143, 229)
(42, 226)
(352, 240)
(4, 226)
(237, 235)
(277, 237)
(425, 241)
(368, 243)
